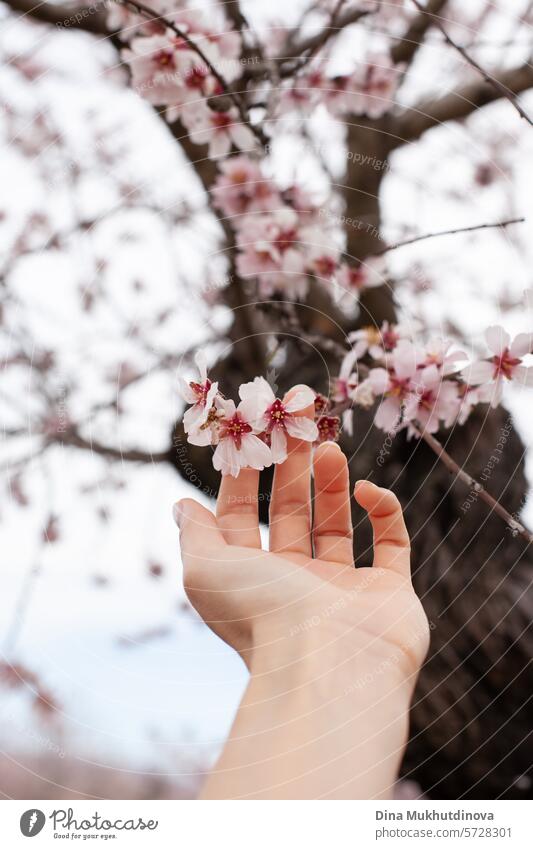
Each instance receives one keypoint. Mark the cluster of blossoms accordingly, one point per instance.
(284, 238)
(167, 71)
(369, 90)
(414, 386)
(252, 434)
(426, 386)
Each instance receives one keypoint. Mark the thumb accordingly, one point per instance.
(200, 535)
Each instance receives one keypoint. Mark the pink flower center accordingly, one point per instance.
(321, 403)
(356, 277)
(325, 266)
(427, 399)
(277, 416)
(221, 120)
(505, 364)
(328, 428)
(398, 388)
(285, 239)
(201, 390)
(389, 339)
(196, 77)
(235, 428)
(164, 59)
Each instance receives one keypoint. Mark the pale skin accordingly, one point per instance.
(333, 651)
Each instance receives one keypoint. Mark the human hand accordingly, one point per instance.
(304, 595)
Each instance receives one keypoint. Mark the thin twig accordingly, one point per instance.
(453, 232)
(152, 15)
(516, 527)
(493, 81)
(314, 43)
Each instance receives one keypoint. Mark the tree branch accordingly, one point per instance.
(407, 47)
(73, 438)
(313, 43)
(453, 232)
(410, 124)
(499, 87)
(88, 18)
(516, 527)
(151, 15)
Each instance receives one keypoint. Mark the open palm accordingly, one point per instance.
(305, 590)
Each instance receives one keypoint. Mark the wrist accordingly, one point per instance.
(333, 662)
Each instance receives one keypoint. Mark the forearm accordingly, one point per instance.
(316, 727)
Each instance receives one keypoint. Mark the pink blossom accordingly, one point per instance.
(241, 188)
(470, 397)
(198, 421)
(355, 278)
(440, 352)
(346, 382)
(277, 418)
(395, 383)
(155, 68)
(238, 446)
(379, 341)
(374, 86)
(433, 399)
(220, 130)
(270, 250)
(505, 364)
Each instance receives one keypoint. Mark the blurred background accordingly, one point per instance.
(111, 268)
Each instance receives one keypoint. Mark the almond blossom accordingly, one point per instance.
(238, 445)
(278, 418)
(241, 188)
(374, 86)
(395, 384)
(505, 364)
(219, 130)
(197, 421)
(432, 400)
(379, 341)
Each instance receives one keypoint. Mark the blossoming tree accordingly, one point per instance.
(310, 295)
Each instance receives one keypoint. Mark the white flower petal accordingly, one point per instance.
(497, 339)
(201, 364)
(226, 458)
(255, 453)
(300, 427)
(301, 399)
(194, 417)
(185, 392)
(481, 372)
(522, 345)
(523, 375)
(278, 445)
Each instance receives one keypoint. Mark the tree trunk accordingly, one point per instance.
(470, 718)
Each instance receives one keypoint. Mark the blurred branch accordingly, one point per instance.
(407, 47)
(453, 232)
(412, 123)
(73, 438)
(310, 46)
(88, 18)
(500, 88)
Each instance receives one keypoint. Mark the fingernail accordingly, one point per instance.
(177, 512)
